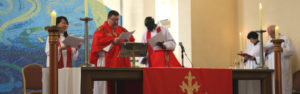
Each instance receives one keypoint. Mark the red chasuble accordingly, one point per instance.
(162, 57)
(104, 36)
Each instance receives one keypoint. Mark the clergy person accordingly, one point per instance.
(252, 62)
(253, 50)
(107, 35)
(66, 53)
(106, 47)
(286, 69)
(161, 54)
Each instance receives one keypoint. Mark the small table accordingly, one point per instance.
(265, 77)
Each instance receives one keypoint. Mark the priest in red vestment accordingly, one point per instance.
(161, 54)
(105, 52)
(106, 36)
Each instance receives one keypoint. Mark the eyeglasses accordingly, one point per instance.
(114, 19)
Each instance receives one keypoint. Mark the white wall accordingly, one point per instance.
(284, 13)
(134, 13)
(179, 13)
(184, 28)
(112, 4)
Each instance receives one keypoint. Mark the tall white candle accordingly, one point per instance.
(85, 8)
(260, 16)
(53, 18)
(276, 32)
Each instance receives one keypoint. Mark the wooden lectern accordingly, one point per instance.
(133, 50)
(277, 55)
(53, 39)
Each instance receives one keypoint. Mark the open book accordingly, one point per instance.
(157, 38)
(126, 35)
(73, 41)
(245, 55)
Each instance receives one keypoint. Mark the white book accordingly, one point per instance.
(73, 41)
(126, 35)
(157, 38)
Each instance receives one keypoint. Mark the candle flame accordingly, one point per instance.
(53, 12)
(260, 6)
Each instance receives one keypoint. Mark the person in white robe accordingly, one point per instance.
(253, 49)
(62, 22)
(286, 69)
(169, 43)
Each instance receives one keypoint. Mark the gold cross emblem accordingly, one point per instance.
(190, 87)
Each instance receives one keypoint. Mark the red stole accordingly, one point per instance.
(161, 57)
(150, 50)
(69, 57)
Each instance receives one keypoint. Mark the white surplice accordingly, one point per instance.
(251, 86)
(64, 52)
(100, 86)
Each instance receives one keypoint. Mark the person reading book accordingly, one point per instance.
(252, 52)
(66, 53)
(251, 61)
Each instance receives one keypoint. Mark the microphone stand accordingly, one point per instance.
(182, 57)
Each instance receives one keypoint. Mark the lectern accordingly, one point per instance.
(129, 49)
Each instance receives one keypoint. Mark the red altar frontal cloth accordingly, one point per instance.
(187, 81)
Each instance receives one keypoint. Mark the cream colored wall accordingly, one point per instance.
(284, 13)
(134, 13)
(214, 33)
(184, 30)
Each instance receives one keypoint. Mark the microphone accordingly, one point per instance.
(182, 48)
(182, 55)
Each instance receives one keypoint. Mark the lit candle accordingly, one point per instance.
(260, 16)
(53, 18)
(276, 32)
(85, 8)
(241, 42)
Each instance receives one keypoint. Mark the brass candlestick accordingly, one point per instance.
(86, 43)
(262, 59)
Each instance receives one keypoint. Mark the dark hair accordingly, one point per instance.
(253, 35)
(59, 19)
(150, 23)
(111, 13)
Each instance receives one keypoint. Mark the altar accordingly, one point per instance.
(90, 74)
